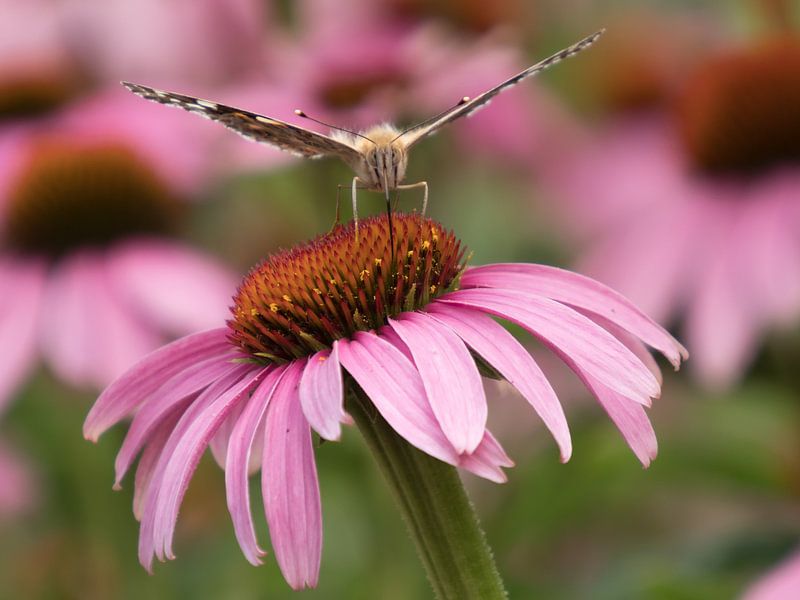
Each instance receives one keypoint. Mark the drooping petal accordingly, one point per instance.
(173, 285)
(218, 444)
(568, 333)
(630, 418)
(134, 387)
(487, 460)
(503, 352)
(240, 448)
(322, 394)
(150, 457)
(175, 392)
(395, 388)
(633, 344)
(579, 291)
(451, 379)
(186, 455)
(20, 304)
(164, 493)
(290, 486)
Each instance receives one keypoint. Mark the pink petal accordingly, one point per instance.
(137, 385)
(218, 444)
(290, 487)
(570, 334)
(395, 388)
(173, 285)
(722, 329)
(147, 530)
(487, 459)
(183, 452)
(322, 394)
(22, 284)
(451, 379)
(781, 583)
(177, 391)
(390, 335)
(150, 457)
(580, 292)
(633, 344)
(240, 448)
(89, 336)
(630, 418)
(503, 352)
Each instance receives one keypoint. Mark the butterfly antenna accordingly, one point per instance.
(463, 100)
(300, 113)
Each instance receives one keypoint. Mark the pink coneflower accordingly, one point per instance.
(782, 583)
(696, 213)
(90, 279)
(405, 334)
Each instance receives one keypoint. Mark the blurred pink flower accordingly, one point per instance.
(18, 489)
(89, 278)
(254, 391)
(363, 65)
(782, 583)
(182, 41)
(698, 215)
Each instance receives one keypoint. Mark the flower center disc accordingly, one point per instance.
(70, 195)
(28, 94)
(741, 111)
(301, 300)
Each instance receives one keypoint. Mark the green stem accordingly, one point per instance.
(439, 515)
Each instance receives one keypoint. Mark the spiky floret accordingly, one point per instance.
(302, 300)
(739, 112)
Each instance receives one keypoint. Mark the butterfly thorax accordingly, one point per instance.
(382, 158)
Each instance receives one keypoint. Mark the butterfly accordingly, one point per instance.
(377, 155)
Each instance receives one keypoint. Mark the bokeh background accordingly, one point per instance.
(665, 161)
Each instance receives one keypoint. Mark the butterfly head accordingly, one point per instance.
(383, 158)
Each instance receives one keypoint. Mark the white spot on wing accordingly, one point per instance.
(207, 104)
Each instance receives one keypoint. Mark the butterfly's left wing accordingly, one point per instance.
(465, 107)
(259, 128)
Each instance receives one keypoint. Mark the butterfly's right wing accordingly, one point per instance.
(252, 126)
(467, 106)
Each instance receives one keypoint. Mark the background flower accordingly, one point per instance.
(91, 279)
(692, 210)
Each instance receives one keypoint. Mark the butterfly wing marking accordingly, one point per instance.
(252, 126)
(466, 107)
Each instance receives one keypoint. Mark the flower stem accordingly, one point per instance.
(437, 511)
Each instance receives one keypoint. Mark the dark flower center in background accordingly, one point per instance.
(629, 72)
(68, 196)
(30, 93)
(740, 112)
(303, 299)
(351, 91)
(477, 16)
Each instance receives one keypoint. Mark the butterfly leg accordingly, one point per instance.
(413, 186)
(354, 188)
(339, 189)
